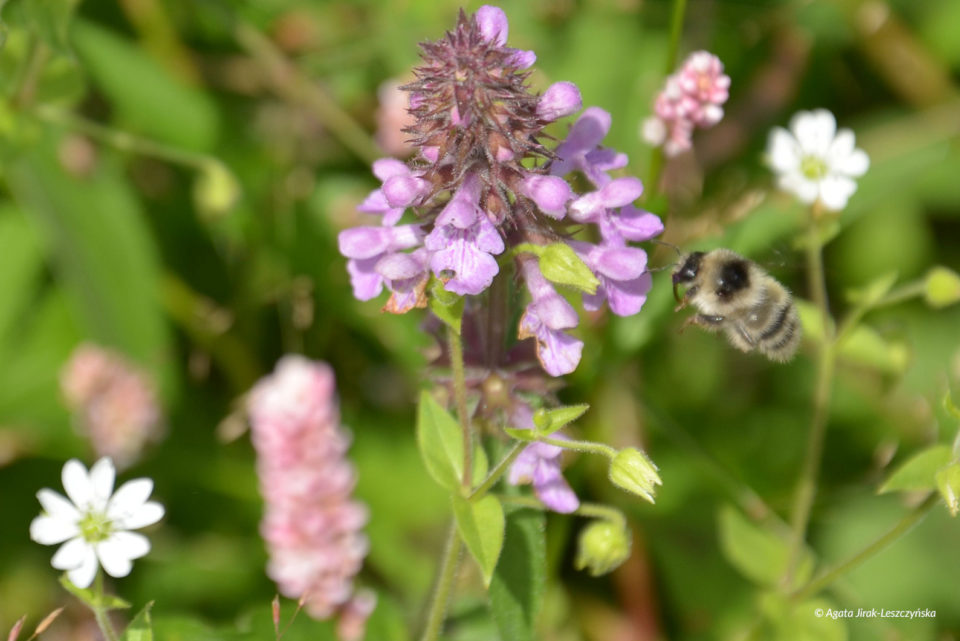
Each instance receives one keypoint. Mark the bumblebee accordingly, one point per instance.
(736, 296)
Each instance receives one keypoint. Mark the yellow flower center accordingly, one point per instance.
(95, 527)
(813, 167)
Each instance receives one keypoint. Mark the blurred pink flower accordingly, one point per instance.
(311, 526)
(692, 97)
(114, 401)
(392, 118)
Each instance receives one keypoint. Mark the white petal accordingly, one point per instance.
(855, 164)
(117, 552)
(842, 145)
(783, 151)
(82, 576)
(49, 530)
(796, 183)
(57, 506)
(76, 482)
(835, 191)
(71, 554)
(147, 514)
(129, 497)
(102, 476)
(814, 131)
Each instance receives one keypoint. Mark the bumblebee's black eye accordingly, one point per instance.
(733, 277)
(688, 271)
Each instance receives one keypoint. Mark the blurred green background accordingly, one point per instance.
(145, 243)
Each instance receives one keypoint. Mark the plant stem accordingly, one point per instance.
(460, 396)
(291, 84)
(441, 594)
(832, 574)
(580, 446)
(826, 359)
(100, 612)
(123, 140)
(594, 510)
(676, 30)
(497, 472)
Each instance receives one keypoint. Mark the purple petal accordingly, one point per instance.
(366, 242)
(457, 251)
(464, 208)
(590, 129)
(551, 193)
(556, 313)
(618, 263)
(402, 190)
(559, 353)
(386, 168)
(621, 191)
(493, 24)
(522, 59)
(624, 298)
(374, 203)
(399, 267)
(605, 159)
(364, 279)
(552, 489)
(521, 471)
(636, 224)
(559, 100)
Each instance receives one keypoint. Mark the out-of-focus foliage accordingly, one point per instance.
(114, 230)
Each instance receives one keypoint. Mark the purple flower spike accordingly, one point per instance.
(559, 100)
(624, 279)
(544, 319)
(539, 463)
(551, 193)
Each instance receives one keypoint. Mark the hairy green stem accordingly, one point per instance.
(676, 30)
(591, 510)
(898, 295)
(580, 446)
(830, 575)
(444, 586)
(460, 396)
(826, 359)
(100, 612)
(497, 472)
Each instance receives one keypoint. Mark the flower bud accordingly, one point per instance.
(603, 546)
(941, 287)
(948, 482)
(215, 190)
(633, 471)
(559, 100)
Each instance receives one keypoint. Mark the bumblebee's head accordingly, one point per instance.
(687, 272)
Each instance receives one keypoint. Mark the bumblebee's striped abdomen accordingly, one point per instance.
(780, 336)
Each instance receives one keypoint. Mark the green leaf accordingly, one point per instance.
(519, 580)
(103, 251)
(919, 472)
(941, 287)
(862, 346)
(87, 596)
(481, 526)
(48, 19)
(811, 620)
(561, 265)
(759, 554)
(949, 406)
(440, 441)
(446, 305)
(145, 96)
(549, 421)
(140, 629)
(21, 260)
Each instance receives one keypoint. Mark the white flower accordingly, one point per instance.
(815, 161)
(95, 521)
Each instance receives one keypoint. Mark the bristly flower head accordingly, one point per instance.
(692, 98)
(814, 161)
(483, 183)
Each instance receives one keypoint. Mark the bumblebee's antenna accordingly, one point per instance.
(671, 246)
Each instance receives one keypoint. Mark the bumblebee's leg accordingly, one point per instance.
(741, 338)
(706, 321)
(686, 298)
